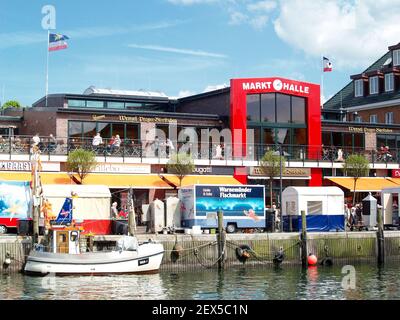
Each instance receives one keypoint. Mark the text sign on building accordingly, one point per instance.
(276, 85)
(287, 172)
(27, 166)
(123, 168)
(396, 173)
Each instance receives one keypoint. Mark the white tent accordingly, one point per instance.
(93, 202)
(324, 207)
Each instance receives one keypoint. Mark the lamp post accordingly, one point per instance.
(280, 189)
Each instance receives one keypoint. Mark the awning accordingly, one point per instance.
(366, 184)
(140, 181)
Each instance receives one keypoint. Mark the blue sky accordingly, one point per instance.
(182, 47)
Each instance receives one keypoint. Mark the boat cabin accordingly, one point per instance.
(64, 239)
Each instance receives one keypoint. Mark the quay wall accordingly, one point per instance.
(196, 252)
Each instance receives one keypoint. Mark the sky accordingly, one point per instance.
(184, 47)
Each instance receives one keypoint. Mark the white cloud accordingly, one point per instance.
(12, 39)
(266, 6)
(180, 51)
(259, 22)
(215, 87)
(190, 2)
(350, 33)
(185, 93)
(237, 18)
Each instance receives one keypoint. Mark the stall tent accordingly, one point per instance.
(324, 208)
(390, 203)
(91, 205)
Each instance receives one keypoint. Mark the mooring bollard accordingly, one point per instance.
(303, 238)
(221, 241)
(380, 238)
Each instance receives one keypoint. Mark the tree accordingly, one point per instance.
(181, 165)
(270, 166)
(356, 166)
(80, 162)
(11, 104)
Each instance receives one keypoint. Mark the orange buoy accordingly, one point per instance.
(312, 260)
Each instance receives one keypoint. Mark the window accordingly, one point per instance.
(389, 117)
(373, 118)
(298, 110)
(268, 107)
(94, 104)
(253, 107)
(358, 88)
(396, 57)
(283, 108)
(77, 103)
(358, 119)
(373, 85)
(314, 207)
(115, 105)
(389, 82)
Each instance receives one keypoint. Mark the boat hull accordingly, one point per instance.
(146, 259)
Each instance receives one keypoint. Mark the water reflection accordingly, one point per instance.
(244, 283)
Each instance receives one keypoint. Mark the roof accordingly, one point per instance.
(83, 191)
(125, 93)
(345, 97)
(366, 184)
(313, 191)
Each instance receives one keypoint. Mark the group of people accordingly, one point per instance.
(113, 144)
(384, 154)
(332, 154)
(354, 215)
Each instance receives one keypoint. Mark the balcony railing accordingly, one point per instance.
(22, 145)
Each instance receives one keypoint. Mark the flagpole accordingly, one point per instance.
(47, 65)
(322, 82)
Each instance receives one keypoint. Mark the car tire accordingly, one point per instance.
(231, 228)
(3, 229)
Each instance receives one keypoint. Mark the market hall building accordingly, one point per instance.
(261, 113)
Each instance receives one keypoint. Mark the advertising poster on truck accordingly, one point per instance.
(15, 202)
(242, 206)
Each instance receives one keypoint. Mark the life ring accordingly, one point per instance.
(328, 261)
(243, 252)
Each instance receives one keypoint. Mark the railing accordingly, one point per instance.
(22, 145)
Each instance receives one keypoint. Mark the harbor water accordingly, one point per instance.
(242, 283)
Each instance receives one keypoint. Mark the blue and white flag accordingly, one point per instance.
(65, 214)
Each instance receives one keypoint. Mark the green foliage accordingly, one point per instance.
(11, 104)
(81, 162)
(270, 166)
(181, 165)
(356, 166)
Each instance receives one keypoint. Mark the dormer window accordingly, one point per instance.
(373, 85)
(396, 57)
(389, 82)
(358, 88)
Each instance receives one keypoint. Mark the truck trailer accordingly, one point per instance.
(242, 206)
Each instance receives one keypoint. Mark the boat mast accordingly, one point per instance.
(131, 215)
(37, 191)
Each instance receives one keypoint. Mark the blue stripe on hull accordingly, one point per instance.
(316, 223)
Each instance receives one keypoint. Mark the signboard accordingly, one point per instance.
(27, 166)
(123, 168)
(287, 172)
(396, 173)
(232, 200)
(134, 119)
(15, 199)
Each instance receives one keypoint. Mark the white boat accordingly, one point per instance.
(65, 258)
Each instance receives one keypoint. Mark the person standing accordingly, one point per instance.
(114, 210)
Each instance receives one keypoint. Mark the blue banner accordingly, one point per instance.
(65, 214)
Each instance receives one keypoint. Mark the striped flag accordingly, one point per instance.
(327, 65)
(57, 42)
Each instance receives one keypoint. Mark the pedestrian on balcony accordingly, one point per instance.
(52, 143)
(110, 146)
(97, 141)
(35, 140)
